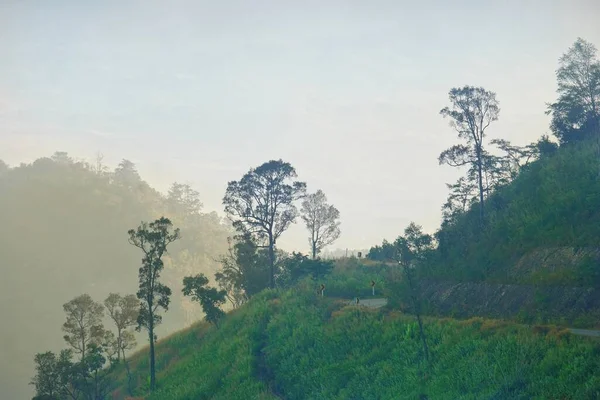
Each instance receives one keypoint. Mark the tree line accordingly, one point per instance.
(261, 207)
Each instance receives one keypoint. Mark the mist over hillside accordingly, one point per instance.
(64, 233)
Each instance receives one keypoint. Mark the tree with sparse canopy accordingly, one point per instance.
(322, 221)
(124, 311)
(262, 203)
(472, 111)
(411, 250)
(152, 239)
(576, 113)
(84, 323)
(209, 297)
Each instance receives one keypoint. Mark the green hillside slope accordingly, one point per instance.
(63, 233)
(542, 228)
(295, 345)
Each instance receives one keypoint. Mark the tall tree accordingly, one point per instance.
(576, 113)
(262, 203)
(152, 239)
(209, 298)
(84, 323)
(472, 110)
(322, 221)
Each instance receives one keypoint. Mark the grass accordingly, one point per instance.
(299, 346)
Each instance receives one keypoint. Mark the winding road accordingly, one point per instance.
(380, 302)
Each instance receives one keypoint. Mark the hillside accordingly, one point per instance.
(542, 228)
(64, 233)
(295, 345)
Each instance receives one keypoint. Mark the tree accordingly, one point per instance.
(84, 323)
(322, 221)
(209, 298)
(412, 249)
(57, 377)
(91, 375)
(576, 113)
(471, 112)
(297, 266)
(124, 311)
(262, 203)
(46, 379)
(244, 270)
(126, 174)
(183, 200)
(99, 167)
(152, 239)
(463, 194)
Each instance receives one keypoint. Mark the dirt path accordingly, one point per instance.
(380, 302)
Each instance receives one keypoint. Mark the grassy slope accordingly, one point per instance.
(302, 347)
(542, 228)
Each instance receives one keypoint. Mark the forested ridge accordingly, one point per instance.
(522, 214)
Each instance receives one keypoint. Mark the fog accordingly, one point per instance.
(198, 92)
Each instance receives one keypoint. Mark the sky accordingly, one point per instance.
(348, 92)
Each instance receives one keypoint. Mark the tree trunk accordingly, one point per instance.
(417, 310)
(314, 250)
(272, 260)
(152, 360)
(480, 182)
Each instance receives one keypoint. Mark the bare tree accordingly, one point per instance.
(471, 112)
(322, 221)
(262, 203)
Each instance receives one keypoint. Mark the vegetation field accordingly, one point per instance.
(295, 345)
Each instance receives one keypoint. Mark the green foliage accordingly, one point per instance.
(210, 298)
(317, 350)
(352, 277)
(297, 266)
(552, 204)
(244, 270)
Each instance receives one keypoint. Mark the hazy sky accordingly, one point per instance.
(347, 91)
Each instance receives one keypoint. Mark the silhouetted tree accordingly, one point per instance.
(576, 113)
(152, 239)
(471, 112)
(262, 203)
(84, 323)
(209, 298)
(322, 221)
